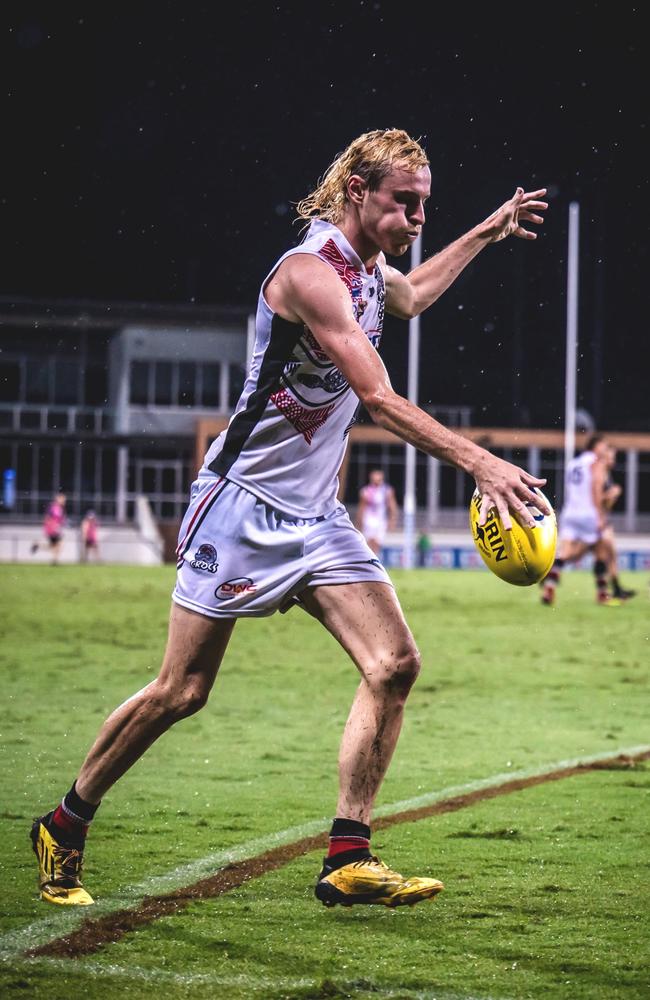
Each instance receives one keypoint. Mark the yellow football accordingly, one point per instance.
(522, 556)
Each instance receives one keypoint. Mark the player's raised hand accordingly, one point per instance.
(508, 488)
(506, 221)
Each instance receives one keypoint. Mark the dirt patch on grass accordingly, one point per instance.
(94, 933)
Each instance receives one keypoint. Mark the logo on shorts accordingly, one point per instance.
(235, 588)
(205, 557)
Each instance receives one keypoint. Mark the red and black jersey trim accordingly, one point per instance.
(197, 520)
(283, 339)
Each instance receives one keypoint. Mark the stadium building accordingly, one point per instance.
(115, 403)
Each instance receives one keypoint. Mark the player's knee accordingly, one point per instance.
(191, 698)
(179, 702)
(404, 673)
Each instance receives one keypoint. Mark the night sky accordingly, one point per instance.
(152, 152)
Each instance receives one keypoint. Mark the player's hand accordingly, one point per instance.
(508, 488)
(506, 221)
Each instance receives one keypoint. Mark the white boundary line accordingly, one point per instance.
(254, 984)
(38, 933)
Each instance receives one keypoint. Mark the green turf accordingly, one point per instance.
(506, 685)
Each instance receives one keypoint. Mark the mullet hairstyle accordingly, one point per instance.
(371, 156)
(593, 441)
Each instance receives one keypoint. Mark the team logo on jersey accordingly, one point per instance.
(235, 588)
(332, 382)
(311, 384)
(205, 558)
(359, 305)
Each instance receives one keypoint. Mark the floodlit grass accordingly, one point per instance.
(544, 888)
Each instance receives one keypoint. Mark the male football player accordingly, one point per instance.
(611, 494)
(377, 510)
(264, 529)
(583, 520)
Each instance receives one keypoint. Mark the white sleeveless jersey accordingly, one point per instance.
(286, 439)
(376, 500)
(578, 496)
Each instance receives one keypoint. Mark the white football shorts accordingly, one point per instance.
(374, 527)
(579, 528)
(238, 557)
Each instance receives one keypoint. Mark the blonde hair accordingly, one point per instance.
(372, 156)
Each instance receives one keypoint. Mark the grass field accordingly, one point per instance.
(547, 889)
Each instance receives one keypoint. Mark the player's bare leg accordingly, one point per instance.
(195, 647)
(55, 552)
(368, 622)
(570, 551)
(618, 591)
(604, 555)
(366, 619)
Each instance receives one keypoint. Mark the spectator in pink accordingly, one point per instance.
(89, 537)
(53, 525)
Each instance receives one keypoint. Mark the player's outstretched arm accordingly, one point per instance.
(306, 290)
(610, 495)
(409, 295)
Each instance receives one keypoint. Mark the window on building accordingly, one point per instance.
(30, 420)
(211, 385)
(163, 383)
(45, 469)
(37, 380)
(148, 479)
(182, 383)
(139, 383)
(57, 420)
(95, 385)
(67, 464)
(88, 456)
(108, 470)
(6, 458)
(9, 381)
(168, 479)
(25, 468)
(66, 382)
(187, 383)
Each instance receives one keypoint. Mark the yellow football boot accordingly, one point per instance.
(59, 869)
(371, 881)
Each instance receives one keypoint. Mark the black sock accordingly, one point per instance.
(69, 822)
(617, 590)
(600, 577)
(73, 803)
(349, 841)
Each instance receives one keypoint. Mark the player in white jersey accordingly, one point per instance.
(377, 510)
(264, 528)
(583, 519)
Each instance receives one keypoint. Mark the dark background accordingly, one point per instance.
(153, 153)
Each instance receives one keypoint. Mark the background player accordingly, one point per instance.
(582, 519)
(611, 494)
(377, 510)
